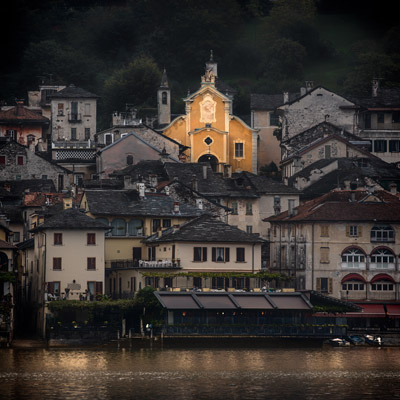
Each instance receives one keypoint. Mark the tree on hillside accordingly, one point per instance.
(136, 84)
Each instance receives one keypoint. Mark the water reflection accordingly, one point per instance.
(200, 373)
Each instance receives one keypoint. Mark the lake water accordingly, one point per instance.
(230, 371)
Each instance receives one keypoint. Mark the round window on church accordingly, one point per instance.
(208, 141)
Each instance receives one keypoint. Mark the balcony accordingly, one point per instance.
(74, 117)
(142, 264)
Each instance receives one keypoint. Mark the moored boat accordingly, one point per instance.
(373, 340)
(339, 342)
(355, 340)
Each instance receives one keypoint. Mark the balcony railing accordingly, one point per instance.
(134, 264)
(74, 117)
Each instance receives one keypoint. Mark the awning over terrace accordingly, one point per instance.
(233, 301)
(377, 310)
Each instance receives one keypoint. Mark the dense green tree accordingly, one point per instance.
(136, 84)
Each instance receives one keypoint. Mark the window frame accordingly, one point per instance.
(57, 263)
(240, 254)
(91, 239)
(57, 239)
(91, 264)
(239, 149)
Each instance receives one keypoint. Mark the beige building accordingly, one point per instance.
(345, 243)
(69, 259)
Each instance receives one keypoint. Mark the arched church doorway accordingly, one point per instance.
(209, 158)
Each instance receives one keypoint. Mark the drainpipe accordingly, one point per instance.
(252, 258)
(312, 258)
(44, 283)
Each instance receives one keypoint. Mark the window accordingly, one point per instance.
(135, 227)
(91, 238)
(353, 231)
(328, 151)
(119, 227)
(273, 119)
(382, 286)
(383, 233)
(60, 108)
(166, 223)
(382, 259)
(394, 146)
(367, 120)
(197, 282)
(87, 133)
(87, 109)
(164, 96)
(2, 160)
(78, 179)
(199, 254)
(324, 285)
(91, 263)
(57, 263)
(249, 229)
(53, 288)
(11, 133)
(353, 286)
(16, 237)
(44, 177)
(220, 254)
(380, 117)
(325, 230)
(239, 150)
(234, 206)
(129, 160)
(108, 139)
(396, 117)
(249, 208)
(324, 255)
(20, 160)
(240, 254)
(58, 239)
(73, 133)
(380, 146)
(156, 224)
(353, 258)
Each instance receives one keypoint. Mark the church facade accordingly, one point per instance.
(210, 130)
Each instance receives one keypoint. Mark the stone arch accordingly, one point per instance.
(209, 158)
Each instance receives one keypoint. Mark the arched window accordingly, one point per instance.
(104, 221)
(164, 96)
(382, 259)
(353, 282)
(353, 258)
(135, 227)
(382, 233)
(382, 282)
(129, 160)
(119, 227)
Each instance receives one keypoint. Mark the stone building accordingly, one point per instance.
(17, 162)
(344, 243)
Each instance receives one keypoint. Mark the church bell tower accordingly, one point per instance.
(164, 101)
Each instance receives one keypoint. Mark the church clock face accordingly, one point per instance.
(207, 109)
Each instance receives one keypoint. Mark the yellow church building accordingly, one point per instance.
(209, 130)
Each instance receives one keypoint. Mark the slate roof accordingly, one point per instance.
(353, 169)
(386, 98)
(27, 244)
(72, 91)
(204, 228)
(71, 218)
(144, 169)
(339, 206)
(128, 203)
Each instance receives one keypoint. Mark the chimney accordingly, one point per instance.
(199, 204)
(19, 108)
(393, 188)
(204, 171)
(277, 205)
(375, 87)
(302, 91)
(153, 180)
(159, 232)
(164, 156)
(175, 228)
(141, 190)
(285, 97)
(346, 184)
(195, 183)
(227, 171)
(176, 207)
(309, 86)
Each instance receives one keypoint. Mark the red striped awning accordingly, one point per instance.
(382, 277)
(353, 277)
